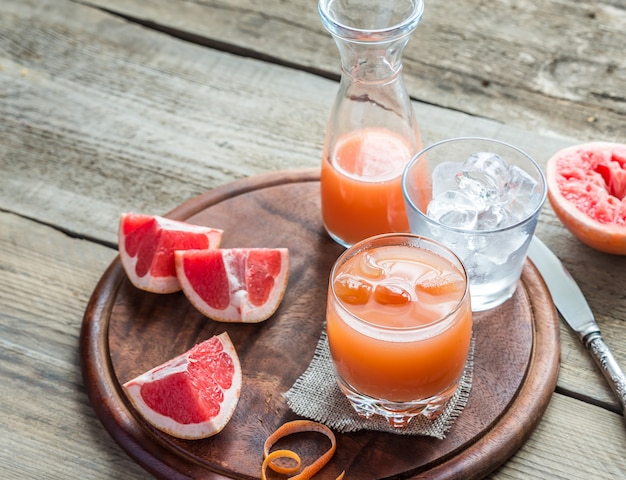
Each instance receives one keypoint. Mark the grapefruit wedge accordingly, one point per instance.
(193, 395)
(236, 284)
(587, 191)
(147, 243)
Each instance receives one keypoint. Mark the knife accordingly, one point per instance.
(571, 304)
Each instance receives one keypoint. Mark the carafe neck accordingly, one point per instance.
(370, 34)
(371, 63)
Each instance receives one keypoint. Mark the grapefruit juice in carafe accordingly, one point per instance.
(372, 132)
(360, 185)
(399, 325)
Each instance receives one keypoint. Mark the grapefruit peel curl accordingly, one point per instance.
(287, 429)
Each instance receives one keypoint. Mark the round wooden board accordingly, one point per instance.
(126, 332)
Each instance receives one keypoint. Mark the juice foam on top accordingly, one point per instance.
(371, 155)
(399, 286)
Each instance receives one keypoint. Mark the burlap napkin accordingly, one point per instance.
(316, 395)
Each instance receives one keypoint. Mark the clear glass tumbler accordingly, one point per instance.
(399, 325)
(372, 132)
(481, 198)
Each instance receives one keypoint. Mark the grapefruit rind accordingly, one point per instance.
(190, 431)
(131, 222)
(603, 236)
(239, 308)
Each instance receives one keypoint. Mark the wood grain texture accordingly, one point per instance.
(100, 115)
(142, 122)
(581, 438)
(48, 425)
(42, 438)
(555, 67)
(515, 367)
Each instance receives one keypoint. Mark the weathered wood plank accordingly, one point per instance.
(99, 116)
(557, 68)
(90, 128)
(49, 424)
(49, 429)
(143, 122)
(569, 432)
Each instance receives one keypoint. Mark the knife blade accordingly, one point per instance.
(575, 311)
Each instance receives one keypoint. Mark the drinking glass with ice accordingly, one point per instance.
(481, 198)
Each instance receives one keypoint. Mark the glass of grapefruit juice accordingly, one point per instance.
(399, 324)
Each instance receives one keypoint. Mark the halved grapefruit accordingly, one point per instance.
(147, 243)
(587, 190)
(193, 395)
(236, 284)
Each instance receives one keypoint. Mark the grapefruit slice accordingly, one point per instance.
(193, 395)
(587, 191)
(234, 285)
(147, 243)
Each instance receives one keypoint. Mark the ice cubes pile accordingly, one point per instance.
(482, 193)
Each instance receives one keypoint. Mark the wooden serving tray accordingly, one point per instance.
(126, 331)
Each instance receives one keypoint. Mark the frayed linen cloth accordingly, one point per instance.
(316, 395)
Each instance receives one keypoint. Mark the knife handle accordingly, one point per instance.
(610, 369)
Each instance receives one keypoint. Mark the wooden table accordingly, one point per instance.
(135, 105)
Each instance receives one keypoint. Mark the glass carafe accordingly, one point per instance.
(372, 132)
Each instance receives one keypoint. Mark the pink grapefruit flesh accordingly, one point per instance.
(587, 191)
(193, 395)
(234, 285)
(147, 243)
